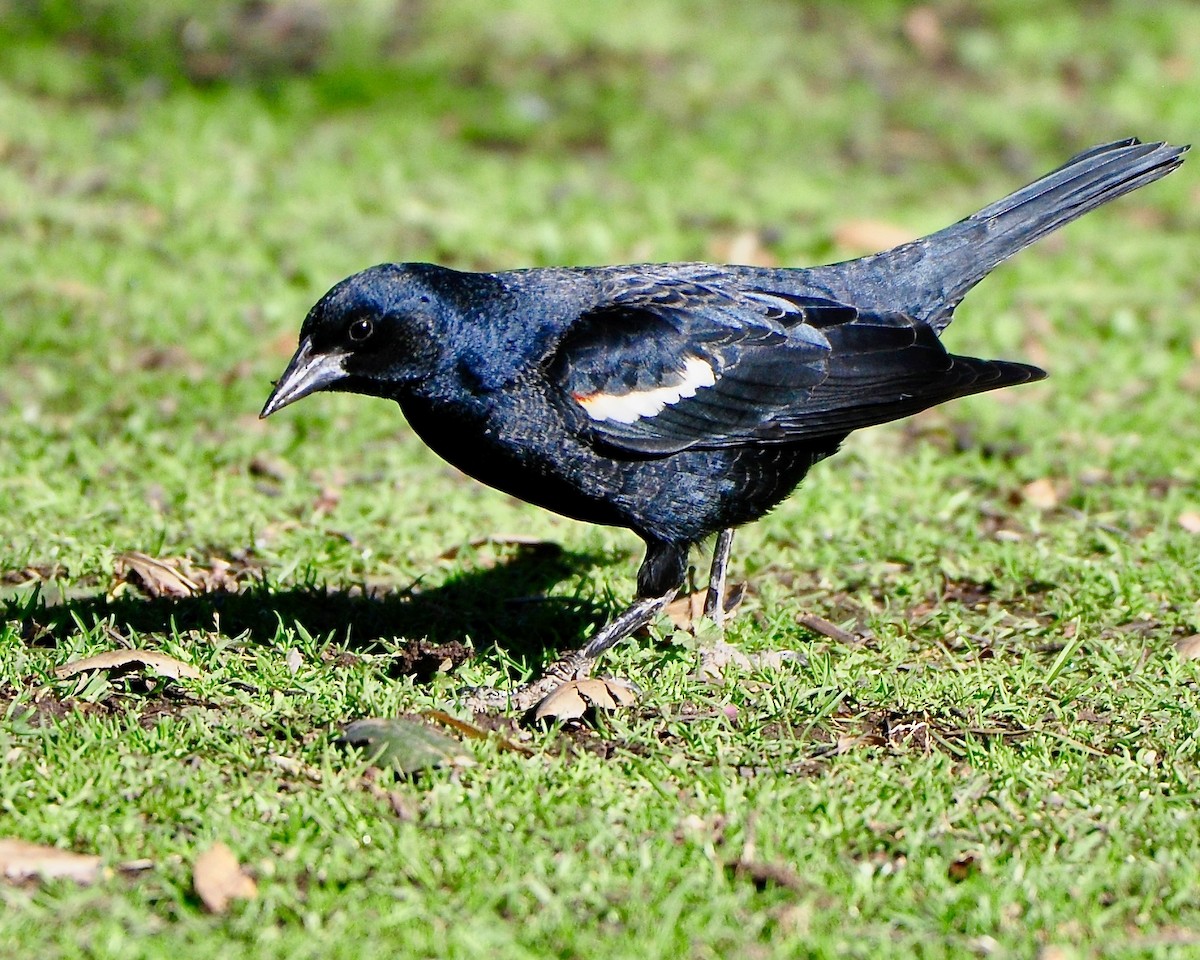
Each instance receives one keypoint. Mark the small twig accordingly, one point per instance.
(824, 628)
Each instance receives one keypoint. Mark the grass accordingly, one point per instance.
(1006, 761)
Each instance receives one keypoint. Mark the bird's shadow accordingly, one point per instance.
(502, 605)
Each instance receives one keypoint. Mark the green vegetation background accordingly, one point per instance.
(1004, 763)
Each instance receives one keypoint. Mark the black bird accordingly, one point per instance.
(679, 400)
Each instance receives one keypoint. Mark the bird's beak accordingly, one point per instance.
(305, 374)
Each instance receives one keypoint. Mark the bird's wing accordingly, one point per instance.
(671, 363)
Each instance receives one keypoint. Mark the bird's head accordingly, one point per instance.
(373, 333)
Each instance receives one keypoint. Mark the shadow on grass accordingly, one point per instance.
(503, 605)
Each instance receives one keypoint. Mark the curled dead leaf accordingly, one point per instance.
(575, 697)
(764, 875)
(218, 878)
(179, 577)
(1040, 493)
(149, 660)
(159, 578)
(922, 28)
(963, 867)
(686, 610)
(1189, 647)
(1190, 521)
(21, 861)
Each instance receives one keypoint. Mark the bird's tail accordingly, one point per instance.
(942, 267)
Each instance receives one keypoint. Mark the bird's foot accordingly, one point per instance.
(575, 668)
(576, 665)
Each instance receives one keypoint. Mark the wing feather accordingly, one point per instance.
(668, 364)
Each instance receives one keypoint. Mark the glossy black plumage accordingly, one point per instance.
(679, 400)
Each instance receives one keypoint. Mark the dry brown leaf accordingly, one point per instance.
(1190, 521)
(33, 573)
(218, 878)
(715, 659)
(869, 236)
(923, 29)
(963, 867)
(150, 660)
(1041, 494)
(686, 610)
(179, 577)
(327, 500)
(296, 768)
(273, 468)
(21, 860)
(763, 874)
(1189, 647)
(159, 578)
(575, 697)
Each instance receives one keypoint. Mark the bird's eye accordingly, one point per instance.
(360, 330)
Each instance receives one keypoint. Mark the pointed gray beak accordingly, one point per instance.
(304, 375)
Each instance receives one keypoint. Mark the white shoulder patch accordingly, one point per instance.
(629, 407)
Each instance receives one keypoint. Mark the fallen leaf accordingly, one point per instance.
(763, 874)
(869, 236)
(1041, 494)
(686, 610)
(21, 860)
(33, 573)
(295, 767)
(1190, 521)
(962, 867)
(1189, 647)
(327, 500)
(150, 660)
(273, 468)
(405, 745)
(159, 578)
(179, 577)
(923, 29)
(575, 697)
(294, 661)
(218, 878)
(715, 659)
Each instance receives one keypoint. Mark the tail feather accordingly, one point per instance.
(938, 270)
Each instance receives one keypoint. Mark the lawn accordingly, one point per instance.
(997, 757)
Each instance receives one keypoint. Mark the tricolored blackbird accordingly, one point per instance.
(679, 400)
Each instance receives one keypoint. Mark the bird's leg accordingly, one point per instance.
(659, 579)
(714, 600)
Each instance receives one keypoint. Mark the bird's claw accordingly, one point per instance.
(576, 665)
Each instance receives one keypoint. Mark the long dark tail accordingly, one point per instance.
(942, 267)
